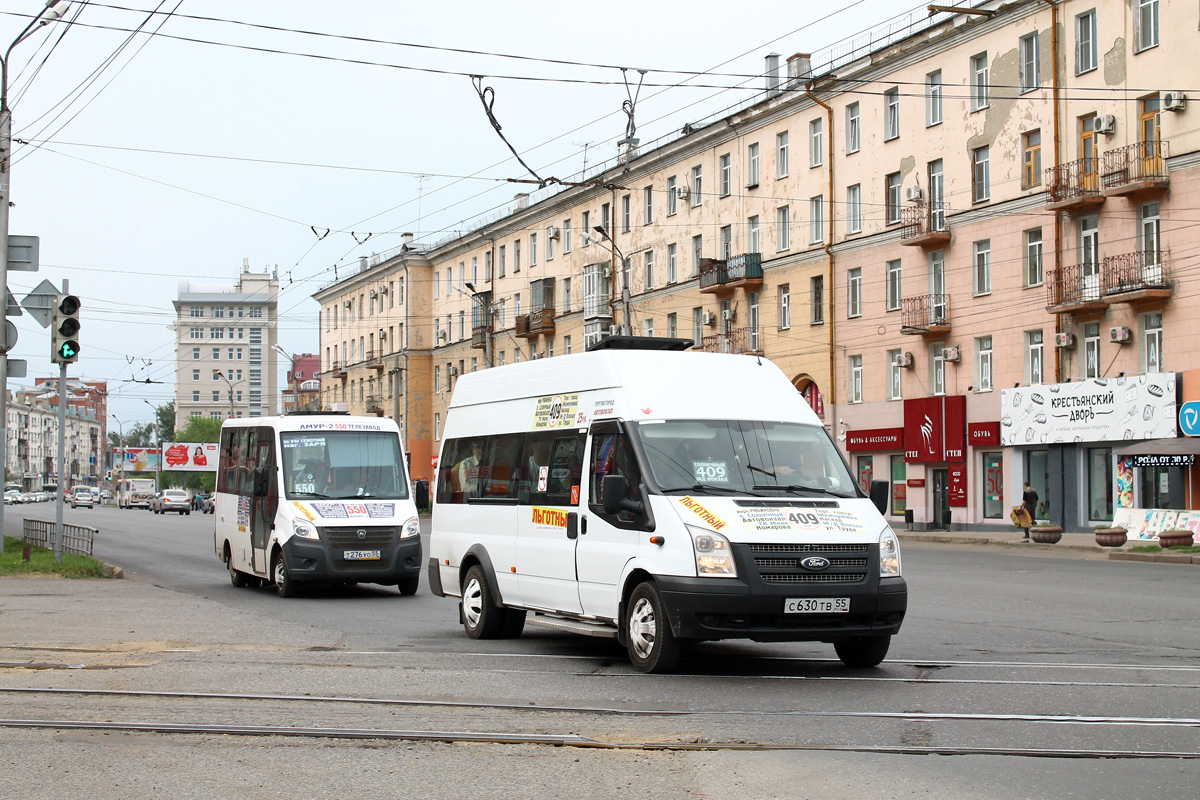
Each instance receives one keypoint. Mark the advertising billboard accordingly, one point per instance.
(1095, 410)
(190, 456)
(136, 459)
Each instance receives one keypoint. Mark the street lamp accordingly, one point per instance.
(224, 377)
(291, 376)
(616, 251)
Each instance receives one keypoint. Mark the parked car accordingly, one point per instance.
(12, 497)
(171, 500)
(82, 496)
(206, 503)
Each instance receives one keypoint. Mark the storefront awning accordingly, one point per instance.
(1161, 447)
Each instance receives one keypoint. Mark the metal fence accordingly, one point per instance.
(77, 539)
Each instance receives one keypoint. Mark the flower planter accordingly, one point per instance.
(1045, 534)
(1175, 539)
(1111, 537)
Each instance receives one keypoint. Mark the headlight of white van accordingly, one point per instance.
(304, 529)
(889, 554)
(411, 528)
(714, 556)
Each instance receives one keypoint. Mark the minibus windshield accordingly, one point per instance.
(340, 465)
(739, 456)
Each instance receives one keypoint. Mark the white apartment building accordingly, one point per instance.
(32, 451)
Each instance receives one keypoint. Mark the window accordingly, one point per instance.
(1148, 243)
(648, 275)
(196, 375)
(1031, 169)
(566, 295)
(1146, 24)
(983, 364)
(605, 217)
(516, 259)
(196, 333)
(196, 353)
(979, 82)
(532, 252)
(893, 285)
(752, 238)
(854, 292)
(697, 253)
(785, 307)
(1085, 42)
(853, 133)
(672, 262)
(752, 322)
(503, 261)
(891, 114)
(894, 367)
(1033, 357)
(648, 327)
(672, 197)
(698, 324)
(567, 345)
(933, 98)
(815, 146)
(983, 267)
(816, 300)
(752, 166)
(783, 228)
(196, 396)
(937, 369)
(1152, 342)
(217, 396)
(1091, 350)
(781, 155)
(697, 183)
(1033, 257)
(980, 177)
(1029, 72)
(727, 242)
(647, 205)
(816, 220)
(626, 214)
(856, 379)
(854, 209)
(672, 326)
(585, 229)
(724, 175)
(565, 233)
(893, 198)
(993, 485)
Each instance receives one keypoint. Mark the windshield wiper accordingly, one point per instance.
(795, 488)
(351, 496)
(766, 472)
(310, 494)
(707, 487)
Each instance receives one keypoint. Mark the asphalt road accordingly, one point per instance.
(1024, 665)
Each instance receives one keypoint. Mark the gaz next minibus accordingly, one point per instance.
(321, 498)
(650, 495)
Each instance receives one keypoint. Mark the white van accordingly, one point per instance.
(315, 497)
(656, 496)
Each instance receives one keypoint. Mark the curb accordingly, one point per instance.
(1113, 555)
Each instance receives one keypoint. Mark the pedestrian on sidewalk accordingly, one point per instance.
(1029, 501)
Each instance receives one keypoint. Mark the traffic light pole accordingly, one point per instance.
(62, 462)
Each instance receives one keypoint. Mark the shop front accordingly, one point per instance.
(935, 460)
(987, 456)
(879, 452)
(1065, 437)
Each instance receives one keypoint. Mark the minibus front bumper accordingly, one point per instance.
(325, 560)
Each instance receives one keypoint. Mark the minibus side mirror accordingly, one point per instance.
(615, 488)
(879, 495)
(262, 482)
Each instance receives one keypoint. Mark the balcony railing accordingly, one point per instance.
(1074, 288)
(925, 314)
(1137, 276)
(542, 322)
(374, 405)
(1074, 185)
(1136, 167)
(738, 341)
(521, 326)
(713, 274)
(743, 270)
(924, 224)
(337, 369)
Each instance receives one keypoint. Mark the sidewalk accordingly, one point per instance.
(1074, 542)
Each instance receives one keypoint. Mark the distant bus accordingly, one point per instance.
(135, 492)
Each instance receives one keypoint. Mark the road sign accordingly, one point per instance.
(13, 310)
(17, 367)
(1189, 418)
(39, 302)
(10, 336)
(23, 253)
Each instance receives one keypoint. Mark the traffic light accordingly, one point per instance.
(64, 329)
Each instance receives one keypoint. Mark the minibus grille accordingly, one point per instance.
(813, 577)
(346, 536)
(823, 549)
(779, 564)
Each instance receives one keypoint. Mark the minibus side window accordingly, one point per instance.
(552, 465)
(499, 474)
(612, 454)
(459, 469)
(248, 438)
(225, 465)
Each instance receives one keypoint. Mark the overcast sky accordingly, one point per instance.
(147, 165)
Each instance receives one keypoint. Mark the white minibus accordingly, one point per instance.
(654, 496)
(320, 498)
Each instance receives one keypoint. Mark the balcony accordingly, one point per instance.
(739, 341)
(1140, 277)
(337, 370)
(374, 359)
(924, 225)
(541, 323)
(1136, 169)
(1074, 290)
(1074, 186)
(743, 271)
(713, 276)
(926, 315)
(481, 320)
(374, 405)
(521, 327)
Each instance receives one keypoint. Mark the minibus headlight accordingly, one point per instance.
(714, 556)
(411, 528)
(304, 529)
(889, 554)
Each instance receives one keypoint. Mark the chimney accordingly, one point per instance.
(799, 69)
(363, 264)
(771, 73)
(520, 202)
(406, 240)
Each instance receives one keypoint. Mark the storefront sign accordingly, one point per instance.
(876, 440)
(1095, 410)
(916, 483)
(1147, 523)
(958, 485)
(1173, 460)
(935, 429)
(983, 434)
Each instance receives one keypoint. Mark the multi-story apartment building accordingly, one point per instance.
(303, 384)
(917, 230)
(225, 338)
(32, 453)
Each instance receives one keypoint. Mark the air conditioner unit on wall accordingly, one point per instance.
(1064, 340)
(606, 272)
(441, 335)
(683, 192)
(348, 303)
(1174, 101)
(728, 314)
(383, 290)
(1120, 335)
(374, 294)
(907, 360)
(552, 232)
(383, 336)
(1106, 124)
(914, 194)
(951, 354)
(709, 318)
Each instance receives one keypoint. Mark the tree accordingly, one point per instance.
(164, 417)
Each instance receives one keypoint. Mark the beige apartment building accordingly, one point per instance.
(967, 241)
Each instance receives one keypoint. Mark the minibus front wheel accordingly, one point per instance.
(863, 651)
(482, 618)
(285, 586)
(652, 645)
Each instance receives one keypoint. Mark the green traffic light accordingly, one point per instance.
(68, 350)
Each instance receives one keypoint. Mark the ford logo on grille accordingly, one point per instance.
(363, 534)
(815, 563)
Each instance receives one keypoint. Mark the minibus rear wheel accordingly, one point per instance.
(482, 618)
(652, 645)
(863, 651)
